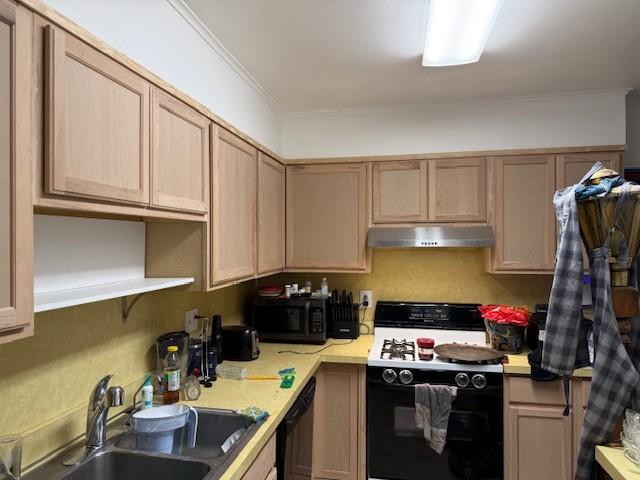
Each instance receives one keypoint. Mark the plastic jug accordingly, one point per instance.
(161, 429)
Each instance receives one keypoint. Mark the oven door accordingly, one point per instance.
(397, 449)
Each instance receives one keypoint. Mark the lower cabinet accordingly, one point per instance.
(540, 442)
(329, 441)
(264, 466)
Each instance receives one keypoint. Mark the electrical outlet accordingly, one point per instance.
(190, 320)
(366, 296)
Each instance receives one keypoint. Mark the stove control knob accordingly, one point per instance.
(462, 380)
(406, 377)
(479, 381)
(389, 375)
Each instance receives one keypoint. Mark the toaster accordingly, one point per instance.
(240, 343)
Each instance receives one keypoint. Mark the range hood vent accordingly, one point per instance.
(477, 236)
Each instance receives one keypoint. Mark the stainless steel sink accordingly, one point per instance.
(120, 460)
(216, 428)
(115, 465)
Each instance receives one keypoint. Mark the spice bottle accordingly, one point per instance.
(425, 348)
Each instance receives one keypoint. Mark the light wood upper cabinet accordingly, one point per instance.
(338, 423)
(400, 191)
(444, 190)
(458, 190)
(271, 215)
(179, 155)
(234, 185)
(327, 217)
(523, 218)
(96, 124)
(570, 168)
(16, 217)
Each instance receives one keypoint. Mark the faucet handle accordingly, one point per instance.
(115, 396)
(99, 392)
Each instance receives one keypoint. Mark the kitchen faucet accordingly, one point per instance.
(99, 403)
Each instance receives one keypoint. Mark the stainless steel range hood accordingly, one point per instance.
(476, 236)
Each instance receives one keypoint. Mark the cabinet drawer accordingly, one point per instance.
(525, 390)
(264, 463)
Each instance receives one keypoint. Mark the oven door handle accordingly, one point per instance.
(490, 390)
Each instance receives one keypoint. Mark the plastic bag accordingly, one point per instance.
(506, 314)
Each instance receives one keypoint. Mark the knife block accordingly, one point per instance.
(345, 321)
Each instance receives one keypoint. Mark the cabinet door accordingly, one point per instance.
(457, 190)
(572, 167)
(327, 216)
(580, 389)
(16, 218)
(271, 214)
(96, 124)
(524, 222)
(400, 191)
(538, 443)
(179, 155)
(233, 208)
(336, 437)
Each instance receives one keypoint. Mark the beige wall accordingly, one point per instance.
(45, 380)
(437, 274)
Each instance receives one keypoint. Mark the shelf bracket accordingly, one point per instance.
(127, 306)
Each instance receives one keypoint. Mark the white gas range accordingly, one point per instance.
(396, 447)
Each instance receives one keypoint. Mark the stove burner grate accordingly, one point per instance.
(393, 349)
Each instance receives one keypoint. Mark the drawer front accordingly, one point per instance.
(525, 390)
(264, 462)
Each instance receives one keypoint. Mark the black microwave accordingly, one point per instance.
(291, 320)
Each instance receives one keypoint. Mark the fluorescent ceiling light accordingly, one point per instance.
(458, 30)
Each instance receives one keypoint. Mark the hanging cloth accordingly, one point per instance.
(564, 315)
(615, 376)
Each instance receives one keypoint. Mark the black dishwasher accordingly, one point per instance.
(297, 410)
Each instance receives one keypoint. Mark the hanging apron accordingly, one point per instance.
(615, 376)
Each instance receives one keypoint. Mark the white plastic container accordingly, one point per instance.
(161, 429)
(147, 393)
(233, 373)
(324, 288)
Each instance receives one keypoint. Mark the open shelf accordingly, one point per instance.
(97, 293)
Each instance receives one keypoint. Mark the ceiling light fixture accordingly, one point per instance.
(458, 30)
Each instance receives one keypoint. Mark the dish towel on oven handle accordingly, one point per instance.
(433, 406)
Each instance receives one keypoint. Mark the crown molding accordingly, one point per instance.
(216, 45)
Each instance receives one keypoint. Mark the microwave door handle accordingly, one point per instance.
(307, 318)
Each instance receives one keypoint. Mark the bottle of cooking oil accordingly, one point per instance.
(171, 393)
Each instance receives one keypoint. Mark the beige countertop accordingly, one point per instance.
(267, 394)
(519, 365)
(613, 461)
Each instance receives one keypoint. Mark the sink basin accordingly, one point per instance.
(120, 460)
(112, 465)
(216, 428)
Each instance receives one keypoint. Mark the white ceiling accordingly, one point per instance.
(312, 55)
